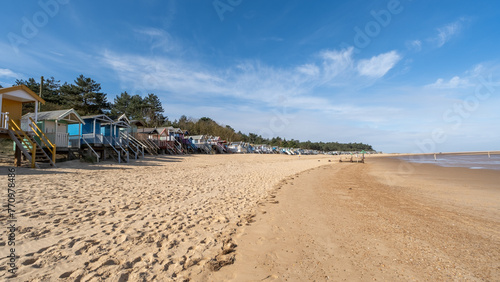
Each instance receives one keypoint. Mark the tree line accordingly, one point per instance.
(86, 97)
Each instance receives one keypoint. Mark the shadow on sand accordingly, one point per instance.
(108, 164)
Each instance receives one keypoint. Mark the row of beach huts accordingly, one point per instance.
(40, 136)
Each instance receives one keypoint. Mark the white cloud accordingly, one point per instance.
(8, 73)
(447, 32)
(336, 62)
(378, 66)
(309, 69)
(454, 82)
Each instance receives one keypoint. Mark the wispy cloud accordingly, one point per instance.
(447, 32)
(337, 62)
(158, 39)
(248, 80)
(8, 73)
(470, 78)
(454, 82)
(414, 45)
(309, 70)
(378, 66)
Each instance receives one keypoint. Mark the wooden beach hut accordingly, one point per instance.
(127, 133)
(97, 138)
(217, 144)
(55, 125)
(11, 106)
(201, 143)
(150, 137)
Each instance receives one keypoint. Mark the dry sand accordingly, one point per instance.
(375, 221)
(256, 217)
(163, 218)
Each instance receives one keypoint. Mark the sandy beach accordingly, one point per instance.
(256, 217)
(355, 222)
(160, 218)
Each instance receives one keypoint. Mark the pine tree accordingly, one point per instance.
(85, 96)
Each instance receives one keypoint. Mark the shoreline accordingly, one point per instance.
(369, 221)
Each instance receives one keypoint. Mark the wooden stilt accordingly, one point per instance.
(17, 156)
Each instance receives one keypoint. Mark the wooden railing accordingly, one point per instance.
(43, 138)
(93, 138)
(61, 139)
(24, 139)
(108, 142)
(92, 149)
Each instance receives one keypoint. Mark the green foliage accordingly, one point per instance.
(207, 126)
(84, 96)
(148, 109)
(335, 146)
(50, 93)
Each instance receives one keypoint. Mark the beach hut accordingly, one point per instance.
(113, 139)
(165, 142)
(201, 143)
(11, 105)
(237, 147)
(97, 138)
(94, 129)
(127, 132)
(217, 144)
(150, 137)
(55, 125)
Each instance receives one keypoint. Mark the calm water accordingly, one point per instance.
(470, 161)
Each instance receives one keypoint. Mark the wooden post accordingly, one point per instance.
(17, 156)
(1, 98)
(39, 104)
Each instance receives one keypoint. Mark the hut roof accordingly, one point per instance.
(148, 131)
(136, 122)
(70, 116)
(123, 118)
(197, 137)
(121, 123)
(101, 117)
(21, 93)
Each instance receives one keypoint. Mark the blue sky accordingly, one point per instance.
(403, 76)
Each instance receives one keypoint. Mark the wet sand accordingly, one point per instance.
(383, 220)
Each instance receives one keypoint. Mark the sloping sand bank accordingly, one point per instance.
(374, 221)
(164, 218)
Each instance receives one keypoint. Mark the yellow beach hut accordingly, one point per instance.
(11, 105)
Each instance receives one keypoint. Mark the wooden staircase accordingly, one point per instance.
(30, 147)
(139, 144)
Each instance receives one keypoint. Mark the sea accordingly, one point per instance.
(468, 161)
